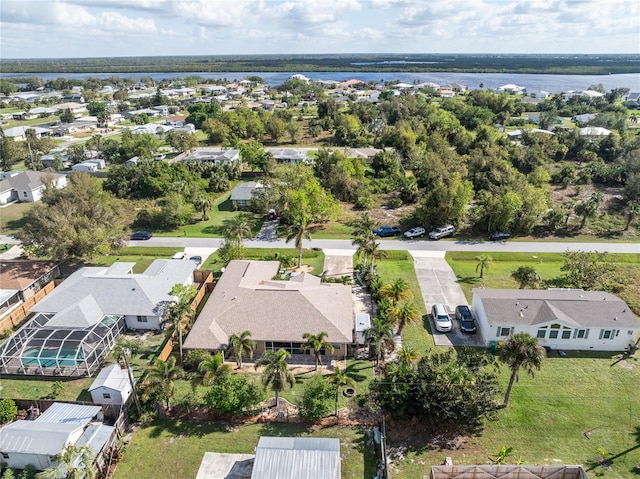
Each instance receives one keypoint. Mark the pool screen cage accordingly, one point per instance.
(38, 349)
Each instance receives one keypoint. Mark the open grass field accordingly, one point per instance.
(11, 217)
(547, 265)
(313, 258)
(142, 256)
(177, 447)
(29, 387)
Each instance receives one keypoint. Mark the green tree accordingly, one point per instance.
(241, 345)
(203, 203)
(67, 117)
(8, 410)
(408, 355)
(632, 211)
(520, 351)
(396, 291)
(380, 338)
(233, 394)
(588, 270)
(526, 276)
(406, 313)
(275, 128)
(276, 372)
(79, 221)
(589, 208)
(316, 343)
(72, 463)
(340, 380)
(237, 228)
(159, 380)
(315, 400)
(10, 152)
(484, 262)
(210, 370)
(298, 232)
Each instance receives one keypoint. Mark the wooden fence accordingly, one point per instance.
(17, 316)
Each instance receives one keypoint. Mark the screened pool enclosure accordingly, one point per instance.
(53, 346)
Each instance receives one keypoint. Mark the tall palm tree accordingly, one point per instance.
(73, 462)
(316, 343)
(276, 371)
(299, 232)
(237, 228)
(396, 290)
(203, 202)
(521, 350)
(363, 237)
(178, 314)
(406, 313)
(210, 369)
(374, 253)
(484, 262)
(379, 337)
(241, 345)
(160, 379)
(632, 211)
(340, 379)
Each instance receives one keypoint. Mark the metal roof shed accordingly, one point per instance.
(297, 458)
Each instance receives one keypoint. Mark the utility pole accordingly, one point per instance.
(133, 384)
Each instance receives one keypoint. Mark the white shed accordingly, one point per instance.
(111, 386)
(363, 322)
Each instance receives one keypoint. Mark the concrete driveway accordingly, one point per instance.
(438, 284)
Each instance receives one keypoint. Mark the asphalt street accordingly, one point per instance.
(408, 245)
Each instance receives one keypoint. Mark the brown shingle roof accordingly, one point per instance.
(246, 298)
(19, 274)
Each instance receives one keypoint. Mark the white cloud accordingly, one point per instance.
(214, 13)
(118, 23)
(45, 13)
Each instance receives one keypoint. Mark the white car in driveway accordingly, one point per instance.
(441, 318)
(415, 232)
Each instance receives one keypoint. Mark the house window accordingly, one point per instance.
(106, 395)
(541, 333)
(24, 193)
(607, 333)
(553, 334)
(504, 331)
(581, 333)
(142, 319)
(566, 334)
(5, 455)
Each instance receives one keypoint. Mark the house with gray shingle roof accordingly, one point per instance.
(569, 319)
(276, 312)
(242, 195)
(28, 186)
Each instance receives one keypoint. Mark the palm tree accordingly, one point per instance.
(380, 337)
(276, 371)
(237, 228)
(210, 369)
(73, 462)
(520, 350)
(589, 208)
(178, 313)
(632, 210)
(408, 355)
(374, 253)
(298, 232)
(241, 345)
(160, 379)
(526, 276)
(340, 379)
(316, 343)
(203, 203)
(406, 313)
(363, 237)
(484, 262)
(396, 290)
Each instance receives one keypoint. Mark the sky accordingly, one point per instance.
(107, 28)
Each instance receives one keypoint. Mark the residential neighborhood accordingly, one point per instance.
(322, 278)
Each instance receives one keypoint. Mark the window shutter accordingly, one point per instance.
(601, 333)
(575, 333)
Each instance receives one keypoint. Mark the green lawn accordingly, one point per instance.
(11, 217)
(399, 264)
(548, 417)
(177, 447)
(142, 256)
(29, 387)
(311, 257)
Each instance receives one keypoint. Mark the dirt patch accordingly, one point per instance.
(305, 268)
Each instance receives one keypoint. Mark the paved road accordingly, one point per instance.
(419, 245)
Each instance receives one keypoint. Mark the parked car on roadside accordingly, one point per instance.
(441, 232)
(499, 236)
(441, 318)
(387, 231)
(196, 259)
(414, 232)
(141, 235)
(467, 323)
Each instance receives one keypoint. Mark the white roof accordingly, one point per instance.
(112, 377)
(297, 458)
(32, 437)
(594, 131)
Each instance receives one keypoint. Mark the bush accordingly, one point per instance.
(8, 410)
(395, 203)
(315, 401)
(233, 394)
(194, 358)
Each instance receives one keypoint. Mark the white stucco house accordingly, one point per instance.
(27, 186)
(569, 319)
(112, 385)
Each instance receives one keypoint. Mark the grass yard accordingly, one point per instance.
(311, 257)
(573, 407)
(29, 387)
(399, 264)
(11, 217)
(142, 256)
(177, 447)
(546, 264)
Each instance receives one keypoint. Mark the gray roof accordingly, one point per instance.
(244, 191)
(508, 471)
(119, 293)
(223, 155)
(112, 377)
(297, 458)
(67, 413)
(29, 180)
(573, 307)
(32, 437)
(247, 298)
